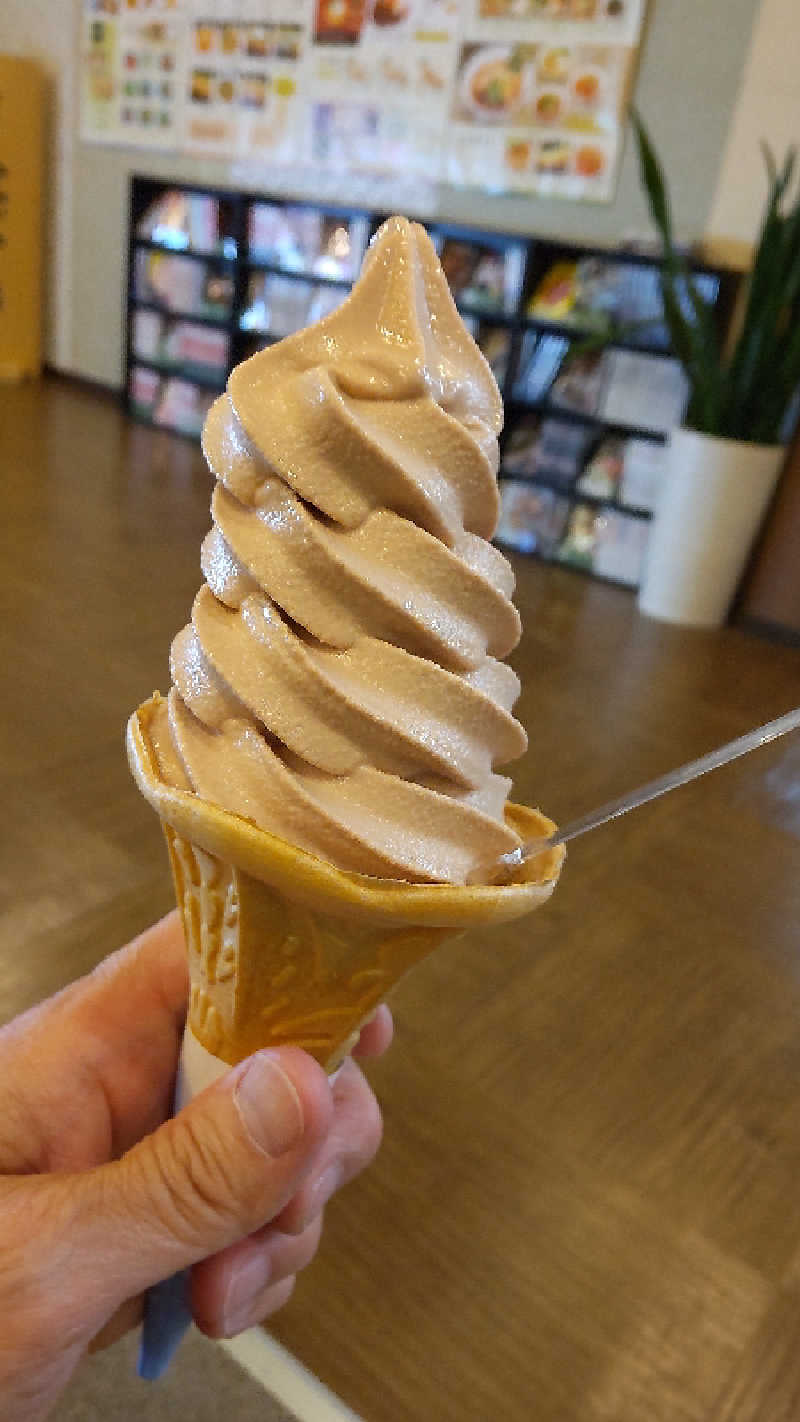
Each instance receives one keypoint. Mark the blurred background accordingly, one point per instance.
(586, 1203)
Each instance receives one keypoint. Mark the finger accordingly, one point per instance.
(268, 1303)
(376, 1036)
(128, 1023)
(120, 1030)
(128, 1316)
(351, 1143)
(216, 1173)
(228, 1288)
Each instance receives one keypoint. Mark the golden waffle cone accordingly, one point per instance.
(283, 947)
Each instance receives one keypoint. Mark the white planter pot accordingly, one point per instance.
(714, 496)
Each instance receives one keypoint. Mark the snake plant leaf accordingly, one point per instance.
(747, 395)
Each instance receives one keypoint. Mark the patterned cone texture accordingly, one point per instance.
(284, 948)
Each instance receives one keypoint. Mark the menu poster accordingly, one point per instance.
(380, 83)
(617, 17)
(542, 111)
(503, 95)
(131, 88)
(99, 97)
(242, 86)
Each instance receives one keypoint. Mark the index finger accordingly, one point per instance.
(376, 1036)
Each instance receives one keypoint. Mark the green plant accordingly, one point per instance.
(743, 393)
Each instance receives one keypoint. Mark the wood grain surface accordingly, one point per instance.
(587, 1204)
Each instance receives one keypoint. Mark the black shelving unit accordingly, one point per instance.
(551, 410)
(495, 277)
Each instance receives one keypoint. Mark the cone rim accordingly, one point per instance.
(305, 878)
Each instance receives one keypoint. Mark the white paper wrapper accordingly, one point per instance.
(198, 1068)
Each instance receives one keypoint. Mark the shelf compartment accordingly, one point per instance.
(574, 494)
(221, 322)
(206, 380)
(146, 244)
(577, 417)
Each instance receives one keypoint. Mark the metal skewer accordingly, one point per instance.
(501, 870)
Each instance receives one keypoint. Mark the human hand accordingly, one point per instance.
(102, 1195)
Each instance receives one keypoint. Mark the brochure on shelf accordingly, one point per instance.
(580, 540)
(147, 334)
(190, 344)
(603, 473)
(182, 285)
(173, 341)
(603, 294)
(541, 358)
(143, 387)
(495, 342)
(498, 94)
(279, 305)
(306, 239)
(620, 547)
(580, 381)
(643, 470)
(548, 448)
(181, 405)
(482, 273)
(532, 520)
(644, 391)
(607, 542)
(184, 221)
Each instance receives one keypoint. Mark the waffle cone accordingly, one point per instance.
(285, 948)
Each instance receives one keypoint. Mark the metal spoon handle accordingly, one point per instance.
(761, 736)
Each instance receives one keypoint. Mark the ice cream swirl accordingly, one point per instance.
(340, 681)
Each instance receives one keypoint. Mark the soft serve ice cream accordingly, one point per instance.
(340, 681)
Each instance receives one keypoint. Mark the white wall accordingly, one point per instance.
(768, 107)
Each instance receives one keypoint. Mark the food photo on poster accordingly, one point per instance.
(504, 97)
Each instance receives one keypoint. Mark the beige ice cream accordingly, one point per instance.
(340, 682)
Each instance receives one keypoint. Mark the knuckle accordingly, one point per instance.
(192, 1182)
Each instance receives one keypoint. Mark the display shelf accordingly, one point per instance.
(553, 561)
(255, 264)
(184, 370)
(148, 245)
(494, 276)
(573, 332)
(487, 315)
(546, 408)
(143, 416)
(568, 491)
(220, 322)
(556, 562)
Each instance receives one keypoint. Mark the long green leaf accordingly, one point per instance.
(769, 163)
(694, 341)
(653, 180)
(768, 338)
(766, 296)
(747, 395)
(778, 391)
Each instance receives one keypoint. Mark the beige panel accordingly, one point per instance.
(768, 108)
(45, 30)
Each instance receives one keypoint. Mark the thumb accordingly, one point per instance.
(216, 1172)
